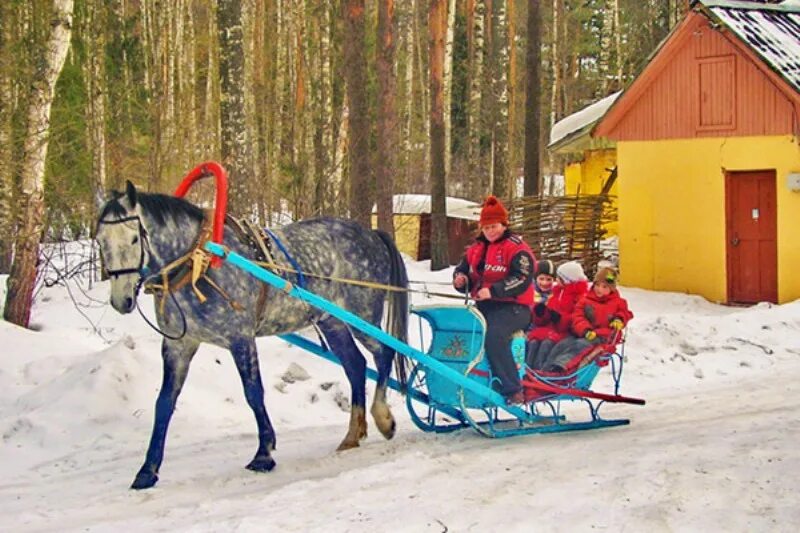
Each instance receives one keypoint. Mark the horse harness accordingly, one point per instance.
(189, 268)
(193, 266)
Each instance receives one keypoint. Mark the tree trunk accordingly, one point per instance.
(448, 84)
(387, 120)
(437, 22)
(95, 76)
(408, 119)
(355, 78)
(211, 119)
(424, 86)
(620, 82)
(236, 147)
(476, 65)
(6, 157)
(532, 106)
(499, 90)
(323, 129)
(488, 109)
(188, 90)
(22, 278)
(511, 121)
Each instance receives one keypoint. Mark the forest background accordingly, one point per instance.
(315, 107)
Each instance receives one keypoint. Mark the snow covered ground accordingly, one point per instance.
(714, 449)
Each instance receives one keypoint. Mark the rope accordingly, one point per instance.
(360, 283)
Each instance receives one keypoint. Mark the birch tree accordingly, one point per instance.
(437, 22)
(95, 76)
(6, 166)
(499, 95)
(235, 141)
(22, 277)
(387, 121)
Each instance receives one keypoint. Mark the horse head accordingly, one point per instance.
(122, 238)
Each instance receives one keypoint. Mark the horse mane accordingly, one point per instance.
(159, 206)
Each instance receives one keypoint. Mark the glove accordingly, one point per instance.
(555, 316)
(616, 324)
(590, 335)
(539, 309)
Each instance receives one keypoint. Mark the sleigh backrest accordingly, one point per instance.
(457, 340)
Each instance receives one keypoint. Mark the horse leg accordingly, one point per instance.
(246, 357)
(341, 342)
(384, 356)
(177, 355)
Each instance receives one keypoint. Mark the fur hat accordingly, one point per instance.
(606, 275)
(493, 212)
(570, 272)
(545, 267)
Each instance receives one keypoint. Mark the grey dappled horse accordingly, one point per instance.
(139, 233)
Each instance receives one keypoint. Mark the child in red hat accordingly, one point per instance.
(497, 271)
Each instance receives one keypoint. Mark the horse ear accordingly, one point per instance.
(130, 191)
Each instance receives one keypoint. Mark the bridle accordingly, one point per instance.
(144, 272)
(141, 268)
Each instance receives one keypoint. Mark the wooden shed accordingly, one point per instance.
(412, 225)
(708, 155)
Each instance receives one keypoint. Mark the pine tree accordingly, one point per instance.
(355, 74)
(437, 22)
(386, 126)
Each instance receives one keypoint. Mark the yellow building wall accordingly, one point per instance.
(591, 174)
(672, 211)
(406, 233)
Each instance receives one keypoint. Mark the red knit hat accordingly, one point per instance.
(493, 212)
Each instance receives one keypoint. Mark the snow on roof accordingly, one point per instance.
(415, 204)
(771, 30)
(583, 118)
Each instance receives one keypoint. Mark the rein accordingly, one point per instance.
(349, 281)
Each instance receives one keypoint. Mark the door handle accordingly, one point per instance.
(735, 241)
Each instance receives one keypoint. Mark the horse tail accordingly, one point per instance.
(397, 314)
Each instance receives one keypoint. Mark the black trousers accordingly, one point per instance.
(503, 319)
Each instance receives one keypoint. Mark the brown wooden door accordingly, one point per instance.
(752, 251)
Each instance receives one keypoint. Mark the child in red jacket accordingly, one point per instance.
(552, 319)
(597, 317)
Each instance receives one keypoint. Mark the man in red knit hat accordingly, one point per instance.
(497, 271)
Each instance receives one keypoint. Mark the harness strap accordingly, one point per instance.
(189, 268)
(259, 243)
(301, 280)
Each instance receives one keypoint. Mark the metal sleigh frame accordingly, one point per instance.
(449, 387)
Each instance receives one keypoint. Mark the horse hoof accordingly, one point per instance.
(261, 464)
(384, 420)
(144, 480)
(389, 433)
